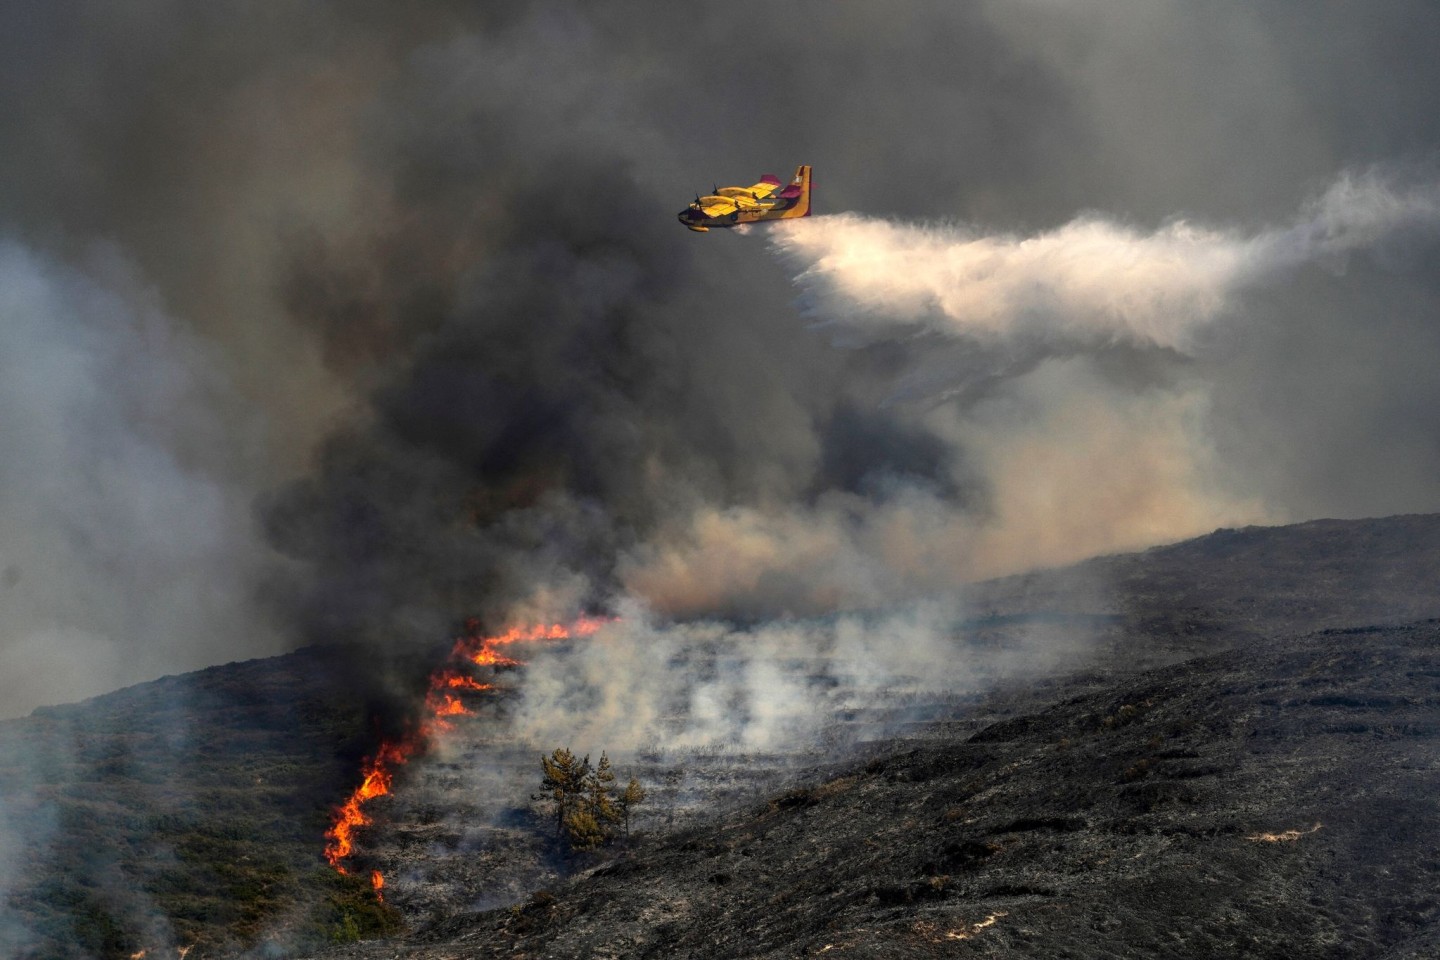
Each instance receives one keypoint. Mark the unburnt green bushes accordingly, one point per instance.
(349, 910)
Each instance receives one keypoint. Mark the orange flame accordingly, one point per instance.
(481, 651)
(375, 782)
(378, 772)
(447, 705)
(458, 681)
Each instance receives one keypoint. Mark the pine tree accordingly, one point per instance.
(586, 807)
(584, 830)
(563, 783)
(599, 796)
(632, 797)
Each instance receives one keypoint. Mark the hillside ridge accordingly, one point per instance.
(190, 809)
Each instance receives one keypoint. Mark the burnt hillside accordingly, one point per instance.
(185, 810)
(1231, 586)
(1277, 802)
(191, 810)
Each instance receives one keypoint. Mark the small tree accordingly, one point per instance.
(632, 796)
(584, 830)
(563, 784)
(584, 800)
(600, 794)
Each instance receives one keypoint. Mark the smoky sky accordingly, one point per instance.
(394, 325)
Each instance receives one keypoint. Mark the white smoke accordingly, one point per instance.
(643, 683)
(1073, 466)
(1075, 459)
(1074, 462)
(852, 596)
(124, 551)
(1084, 285)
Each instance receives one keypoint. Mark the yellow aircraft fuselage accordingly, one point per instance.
(767, 200)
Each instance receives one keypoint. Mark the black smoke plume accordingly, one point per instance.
(467, 364)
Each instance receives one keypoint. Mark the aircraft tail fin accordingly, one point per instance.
(799, 188)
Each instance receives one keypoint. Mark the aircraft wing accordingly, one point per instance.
(768, 184)
(717, 206)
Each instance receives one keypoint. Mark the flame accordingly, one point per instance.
(183, 952)
(1284, 836)
(974, 928)
(458, 681)
(482, 651)
(447, 705)
(378, 772)
(375, 782)
(139, 955)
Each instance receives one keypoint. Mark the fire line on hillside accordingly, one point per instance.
(441, 702)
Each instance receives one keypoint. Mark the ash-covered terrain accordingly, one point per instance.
(1113, 801)
(461, 836)
(1276, 800)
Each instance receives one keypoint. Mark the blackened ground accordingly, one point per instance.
(1281, 800)
(1233, 586)
(191, 811)
(448, 843)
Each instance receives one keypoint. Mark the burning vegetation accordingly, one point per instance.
(443, 701)
(939, 831)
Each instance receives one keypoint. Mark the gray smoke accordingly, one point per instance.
(125, 549)
(425, 306)
(390, 325)
(647, 684)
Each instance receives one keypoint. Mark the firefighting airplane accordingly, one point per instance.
(731, 206)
